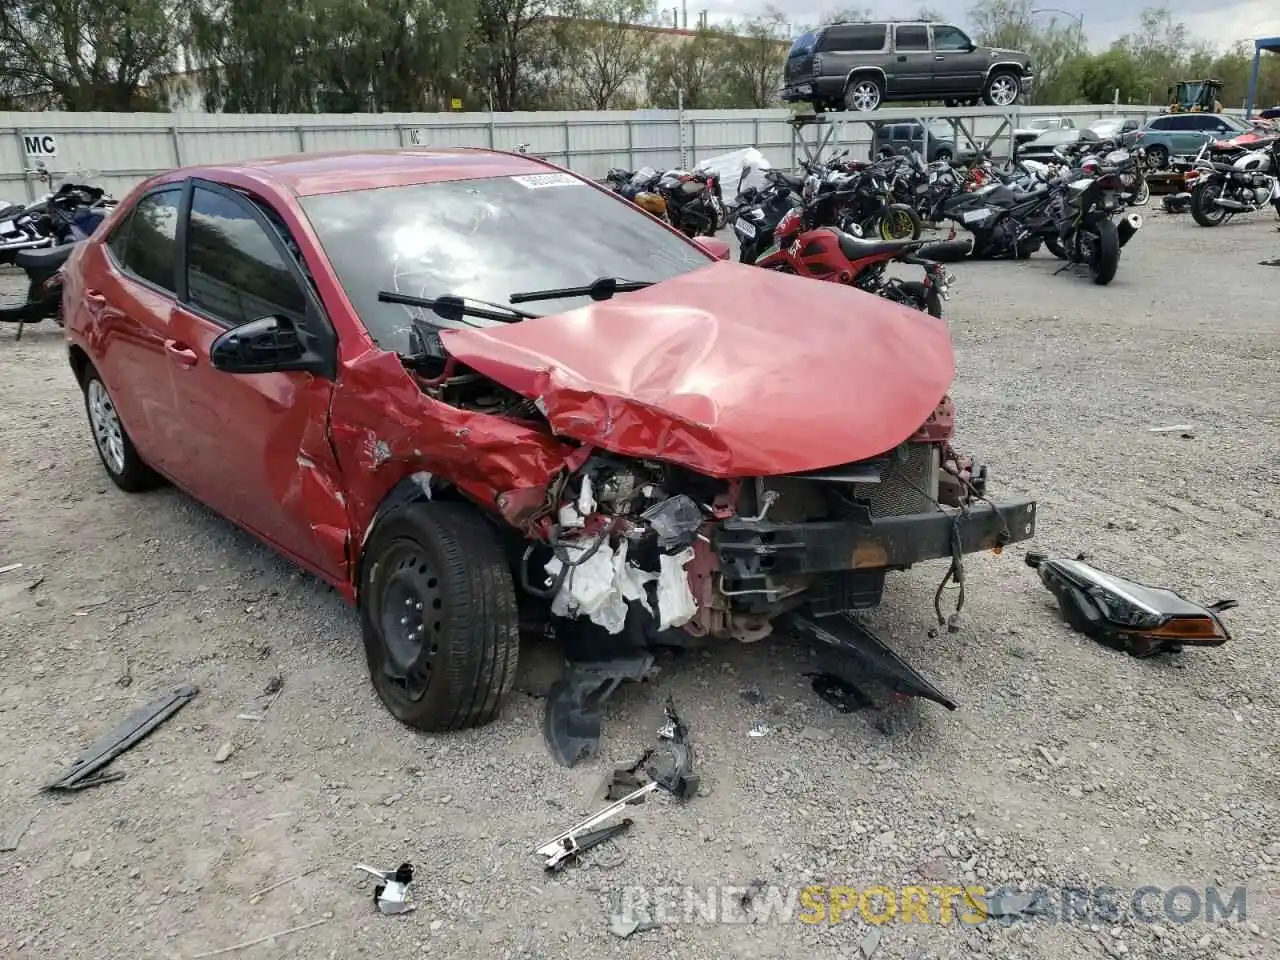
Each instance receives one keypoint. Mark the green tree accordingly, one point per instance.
(1016, 25)
(89, 54)
(603, 52)
(255, 56)
(753, 57)
(691, 69)
(511, 59)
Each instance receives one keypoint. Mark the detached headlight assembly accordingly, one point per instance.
(1125, 615)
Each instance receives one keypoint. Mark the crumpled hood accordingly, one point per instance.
(729, 370)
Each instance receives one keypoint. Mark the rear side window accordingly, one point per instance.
(854, 38)
(911, 38)
(804, 44)
(234, 271)
(149, 239)
(1171, 123)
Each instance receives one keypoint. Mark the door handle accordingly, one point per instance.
(902, 58)
(180, 353)
(939, 58)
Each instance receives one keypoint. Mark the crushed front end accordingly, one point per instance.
(642, 554)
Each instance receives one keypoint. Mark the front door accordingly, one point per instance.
(255, 445)
(912, 71)
(959, 69)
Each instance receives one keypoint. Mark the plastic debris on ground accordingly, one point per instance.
(391, 896)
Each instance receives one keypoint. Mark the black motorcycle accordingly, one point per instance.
(693, 205)
(998, 216)
(1087, 215)
(758, 212)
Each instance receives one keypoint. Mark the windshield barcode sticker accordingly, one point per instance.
(535, 180)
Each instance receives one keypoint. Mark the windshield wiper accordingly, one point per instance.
(601, 289)
(454, 308)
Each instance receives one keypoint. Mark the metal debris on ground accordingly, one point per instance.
(760, 730)
(9, 568)
(85, 771)
(565, 847)
(1176, 428)
(392, 894)
(1126, 615)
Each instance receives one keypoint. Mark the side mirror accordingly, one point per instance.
(266, 345)
(717, 248)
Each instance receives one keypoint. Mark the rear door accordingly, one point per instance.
(912, 72)
(958, 67)
(256, 444)
(846, 46)
(128, 298)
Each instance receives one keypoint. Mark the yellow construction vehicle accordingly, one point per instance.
(1195, 96)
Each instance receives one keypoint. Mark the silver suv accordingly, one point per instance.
(859, 66)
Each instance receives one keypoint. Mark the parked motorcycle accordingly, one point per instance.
(828, 253)
(1220, 190)
(1087, 213)
(640, 187)
(760, 212)
(47, 222)
(74, 213)
(691, 198)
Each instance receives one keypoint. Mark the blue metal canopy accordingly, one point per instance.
(1271, 44)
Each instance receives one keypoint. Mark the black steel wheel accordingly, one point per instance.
(438, 615)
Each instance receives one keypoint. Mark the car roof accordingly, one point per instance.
(339, 171)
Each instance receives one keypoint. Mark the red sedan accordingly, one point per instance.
(335, 352)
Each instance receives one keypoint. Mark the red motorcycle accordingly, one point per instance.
(828, 253)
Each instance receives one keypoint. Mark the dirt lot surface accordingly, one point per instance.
(1067, 764)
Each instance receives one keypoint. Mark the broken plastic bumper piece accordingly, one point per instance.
(1125, 615)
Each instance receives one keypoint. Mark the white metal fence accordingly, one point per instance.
(124, 148)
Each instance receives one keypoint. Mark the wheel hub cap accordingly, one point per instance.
(1003, 91)
(411, 621)
(106, 427)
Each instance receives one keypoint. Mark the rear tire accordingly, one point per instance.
(1142, 193)
(926, 299)
(438, 616)
(1106, 256)
(115, 449)
(1054, 246)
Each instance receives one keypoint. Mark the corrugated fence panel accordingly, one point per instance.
(126, 148)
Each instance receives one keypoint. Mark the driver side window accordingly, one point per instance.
(234, 271)
(950, 40)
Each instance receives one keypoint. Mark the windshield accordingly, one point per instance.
(803, 45)
(486, 238)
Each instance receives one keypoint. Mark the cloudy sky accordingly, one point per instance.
(1104, 20)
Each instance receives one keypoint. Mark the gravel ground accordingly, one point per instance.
(1066, 764)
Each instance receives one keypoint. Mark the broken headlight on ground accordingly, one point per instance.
(1125, 615)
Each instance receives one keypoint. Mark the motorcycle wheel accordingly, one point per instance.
(899, 222)
(1203, 210)
(1054, 246)
(722, 216)
(1104, 258)
(922, 298)
(1141, 192)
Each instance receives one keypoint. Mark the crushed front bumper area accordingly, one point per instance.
(749, 550)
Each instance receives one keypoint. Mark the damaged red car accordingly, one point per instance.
(478, 393)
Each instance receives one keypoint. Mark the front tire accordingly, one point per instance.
(863, 94)
(1141, 193)
(1002, 89)
(115, 449)
(899, 222)
(1106, 254)
(1203, 210)
(438, 615)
